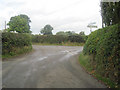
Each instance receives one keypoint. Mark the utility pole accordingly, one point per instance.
(5, 25)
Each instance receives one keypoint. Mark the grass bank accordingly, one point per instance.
(85, 62)
(17, 51)
(61, 44)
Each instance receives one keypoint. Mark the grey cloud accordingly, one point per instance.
(62, 18)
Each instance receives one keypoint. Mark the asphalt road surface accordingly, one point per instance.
(47, 67)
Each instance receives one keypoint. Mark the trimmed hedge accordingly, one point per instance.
(56, 39)
(12, 41)
(104, 47)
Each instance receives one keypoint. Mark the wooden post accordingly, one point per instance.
(5, 25)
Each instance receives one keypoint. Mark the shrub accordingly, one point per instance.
(12, 41)
(76, 38)
(104, 46)
(57, 39)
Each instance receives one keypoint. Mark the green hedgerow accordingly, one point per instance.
(104, 46)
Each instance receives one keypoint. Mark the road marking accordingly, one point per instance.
(40, 59)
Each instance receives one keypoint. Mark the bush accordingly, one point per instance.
(56, 39)
(12, 41)
(76, 38)
(104, 46)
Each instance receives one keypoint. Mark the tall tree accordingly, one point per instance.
(47, 30)
(62, 33)
(82, 33)
(19, 24)
(110, 12)
(67, 33)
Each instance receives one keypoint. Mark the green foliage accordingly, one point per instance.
(62, 33)
(82, 33)
(70, 33)
(67, 33)
(12, 41)
(104, 47)
(110, 12)
(19, 24)
(47, 30)
(56, 39)
(85, 62)
(48, 39)
(17, 51)
(76, 38)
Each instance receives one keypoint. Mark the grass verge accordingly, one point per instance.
(84, 61)
(17, 51)
(61, 44)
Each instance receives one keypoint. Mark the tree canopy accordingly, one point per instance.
(110, 12)
(62, 33)
(47, 30)
(19, 24)
(82, 33)
(67, 33)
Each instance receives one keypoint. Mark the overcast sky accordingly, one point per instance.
(62, 15)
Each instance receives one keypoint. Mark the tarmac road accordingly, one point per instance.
(47, 67)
